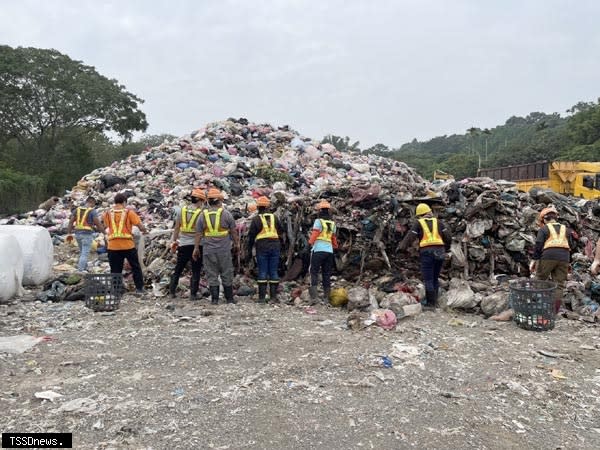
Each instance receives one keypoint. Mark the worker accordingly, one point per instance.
(119, 222)
(182, 242)
(84, 219)
(323, 241)
(552, 253)
(267, 232)
(595, 269)
(434, 242)
(216, 230)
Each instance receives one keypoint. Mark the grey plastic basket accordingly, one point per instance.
(533, 304)
(103, 291)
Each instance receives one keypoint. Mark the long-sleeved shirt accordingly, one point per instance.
(416, 232)
(264, 244)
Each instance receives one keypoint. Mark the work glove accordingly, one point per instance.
(69, 238)
(533, 266)
(174, 246)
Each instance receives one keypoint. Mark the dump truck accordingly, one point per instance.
(579, 179)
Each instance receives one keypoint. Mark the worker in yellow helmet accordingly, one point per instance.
(552, 252)
(434, 242)
(84, 220)
(267, 232)
(184, 234)
(216, 229)
(323, 241)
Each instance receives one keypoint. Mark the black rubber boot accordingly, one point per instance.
(429, 300)
(214, 295)
(262, 292)
(313, 292)
(194, 286)
(173, 287)
(228, 291)
(273, 292)
(326, 293)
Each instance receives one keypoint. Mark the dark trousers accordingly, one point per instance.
(431, 266)
(116, 258)
(184, 255)
(321, 262)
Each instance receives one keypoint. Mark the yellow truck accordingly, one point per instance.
(580, 179)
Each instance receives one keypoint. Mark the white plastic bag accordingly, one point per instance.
(11, 268)
(37, 249)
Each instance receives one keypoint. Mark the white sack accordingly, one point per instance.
(37, 249)
(11, 268)
(460, 295)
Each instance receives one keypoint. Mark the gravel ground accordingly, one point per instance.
(174, 374)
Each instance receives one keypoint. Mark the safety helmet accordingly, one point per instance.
(323, 204)
(549, 210)
(263, 201)
(422, 209)
(251, 207)
(199, 193)
(214, 193)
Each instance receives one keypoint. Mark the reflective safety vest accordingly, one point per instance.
(189, 226)
(327, 229)
(556, 240)
(213, 229)
(116, 230)
(81, 222)
(431, 236)
(268, 230)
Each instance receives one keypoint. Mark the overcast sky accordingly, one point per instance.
(375, 70)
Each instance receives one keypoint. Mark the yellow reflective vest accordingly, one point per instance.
(556, 240)
(431, 236)
(116, 229)
(81, 222)
(213, 228)
(189, 226)
(327, 229)
(269, 231)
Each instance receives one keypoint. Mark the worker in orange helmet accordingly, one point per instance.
(323, 241)
(552, 253)
(182, 242)
(267, 232)
(216, 229)
(434, 242)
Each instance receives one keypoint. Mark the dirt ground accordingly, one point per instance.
(160, 374)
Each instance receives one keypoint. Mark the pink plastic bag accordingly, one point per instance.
(385, 318)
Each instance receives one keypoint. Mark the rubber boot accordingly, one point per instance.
(326, 293)
(195, 283)
(262, 292)
(228, 291)
(173, 287)
(429, 300)
(273, 292)
(214, 295)
(312, 291)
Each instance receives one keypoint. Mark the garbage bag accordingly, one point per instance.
(358, 298)
(385, 318)
(494, 304)
(11, 267)
(460, 295)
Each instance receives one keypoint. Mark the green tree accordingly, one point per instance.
(341, 143)
(46, 97)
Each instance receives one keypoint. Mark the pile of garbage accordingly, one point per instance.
(373, 200)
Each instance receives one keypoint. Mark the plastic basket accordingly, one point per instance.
(103, 291)
(533, 304)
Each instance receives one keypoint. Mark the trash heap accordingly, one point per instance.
(373, 201)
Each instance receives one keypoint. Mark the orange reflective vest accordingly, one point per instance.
(268, 227)
(213, 229)
(81, 222)
(116, 230)
(189, 226)
(327, 230)
(431, 236)
(556, 240)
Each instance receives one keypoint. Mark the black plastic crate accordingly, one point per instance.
(533, 303)
(103, 291)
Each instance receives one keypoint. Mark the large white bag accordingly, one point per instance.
(11, 268)
(37, 249)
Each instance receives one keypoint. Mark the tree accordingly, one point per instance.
(379, 149)
(341, 143)
(46, 97)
